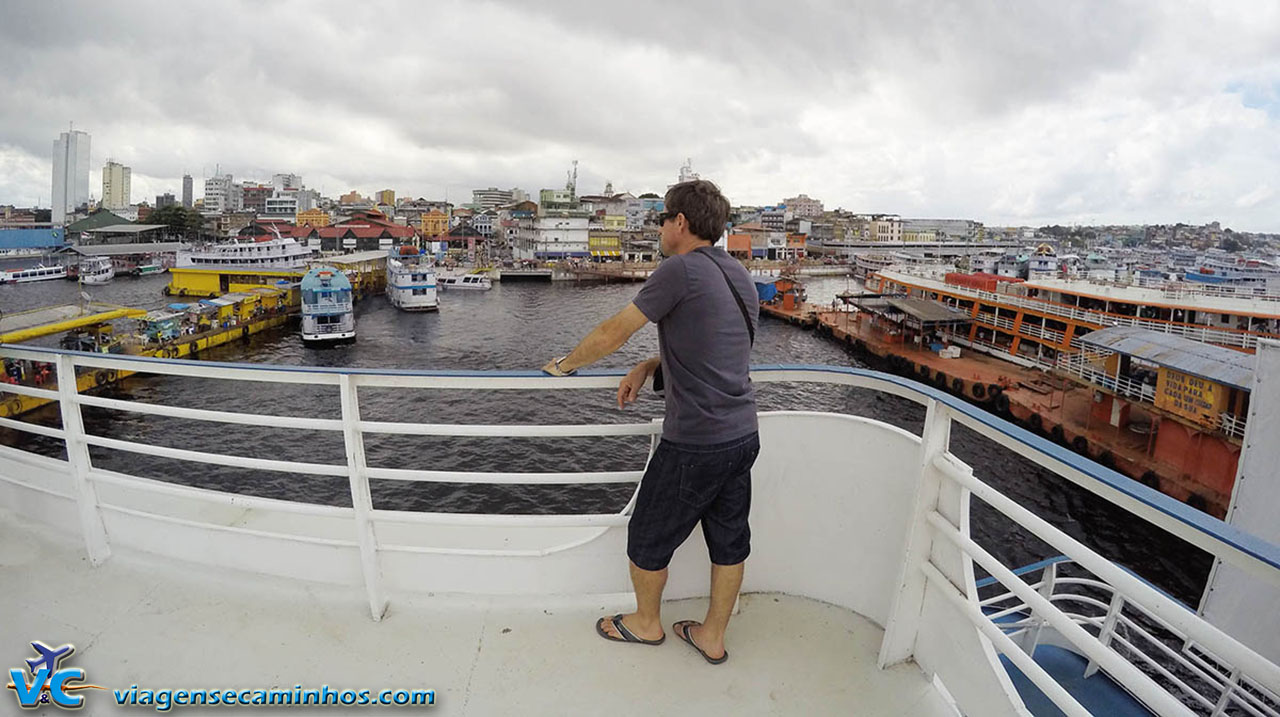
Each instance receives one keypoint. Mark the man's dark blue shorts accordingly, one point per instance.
(685, 484)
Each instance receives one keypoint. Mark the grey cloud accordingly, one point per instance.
(1001, 111)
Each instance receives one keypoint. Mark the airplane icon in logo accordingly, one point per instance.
(49, 657)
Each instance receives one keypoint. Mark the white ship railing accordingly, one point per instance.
(935, 587)
(1192, 670)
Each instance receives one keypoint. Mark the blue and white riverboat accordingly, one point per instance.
(411, 281)
(867, 592)
(328, 311)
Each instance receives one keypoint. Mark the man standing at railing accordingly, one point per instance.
(704, 303)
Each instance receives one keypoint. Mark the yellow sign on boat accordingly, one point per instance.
(1197, 399)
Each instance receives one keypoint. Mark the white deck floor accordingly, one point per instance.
(139, 620)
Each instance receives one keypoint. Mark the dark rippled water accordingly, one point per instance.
(519, 326)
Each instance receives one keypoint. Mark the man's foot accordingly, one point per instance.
(617, 629)
(688, 630)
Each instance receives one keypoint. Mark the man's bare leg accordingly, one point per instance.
(646, 621)
(726, 581)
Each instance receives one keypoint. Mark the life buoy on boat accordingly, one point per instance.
(112, 375)
(1081, 445)
(1197, 501)
(1058, 433)
(1106, 458)
(1150, 479)
(940, 380)
(1002, 403)
(993, 389)
(957, 385)
(979, 390)
(100, 378)
(244, 332)
(1035, 422)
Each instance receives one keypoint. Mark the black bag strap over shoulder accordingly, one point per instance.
(742, 306)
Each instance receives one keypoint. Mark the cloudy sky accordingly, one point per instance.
(1017, 112)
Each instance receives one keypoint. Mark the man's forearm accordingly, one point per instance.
(601, 342)
(651, 365)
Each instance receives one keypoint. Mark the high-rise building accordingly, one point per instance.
(70, 174)
(220, 195)
(804, 206)
(117, 187)
(186, 191)
(492, 198)
(387, 197)
(282, 182)
(165, 200)
(255, 196)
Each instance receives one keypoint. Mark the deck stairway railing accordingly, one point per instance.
(1186, 667)
(933, 611)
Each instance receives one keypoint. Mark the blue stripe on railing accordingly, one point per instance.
(1039, 565)
(1229, 535)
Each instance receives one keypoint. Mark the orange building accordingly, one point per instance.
(434, 224)
(314, 217)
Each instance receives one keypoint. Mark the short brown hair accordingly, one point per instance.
(702, 205)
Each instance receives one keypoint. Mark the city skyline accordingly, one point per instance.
(1090, 114)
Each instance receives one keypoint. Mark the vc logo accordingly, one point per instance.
(49, 681)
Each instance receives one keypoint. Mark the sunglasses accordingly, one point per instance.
(664, 216)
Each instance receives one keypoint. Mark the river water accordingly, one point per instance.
(518, 326)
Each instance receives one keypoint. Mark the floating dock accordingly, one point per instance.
(1077, 415)
(182, 330)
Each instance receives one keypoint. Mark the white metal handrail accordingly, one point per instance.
(1249, 668)
(1241, 692)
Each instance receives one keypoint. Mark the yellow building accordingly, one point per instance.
(314, 217)
(615, 222)
(604, 244)
(387, 197)
(435, 223)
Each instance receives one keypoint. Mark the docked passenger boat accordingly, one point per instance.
(456, 279)
(40, 272)
(914, 614)
(411, 281)
(328, 311)
(96, 270)
(279, 253)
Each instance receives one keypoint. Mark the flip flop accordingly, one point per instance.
(626, 635)
(682, 632)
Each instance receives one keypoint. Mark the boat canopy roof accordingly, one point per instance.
(922, 312)
(325, 278)
(220, 301)
(1215, 363)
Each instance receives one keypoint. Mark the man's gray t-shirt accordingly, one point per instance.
(704, 345)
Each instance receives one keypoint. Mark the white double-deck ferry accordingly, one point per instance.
(462, 279)
(40, 272)
(278, 253)
(411, 281)
(96, 270)
(328, 311)
(867, 592)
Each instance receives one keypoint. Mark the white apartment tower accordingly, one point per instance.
(221, 194)
(116, 185)
(70, 174)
